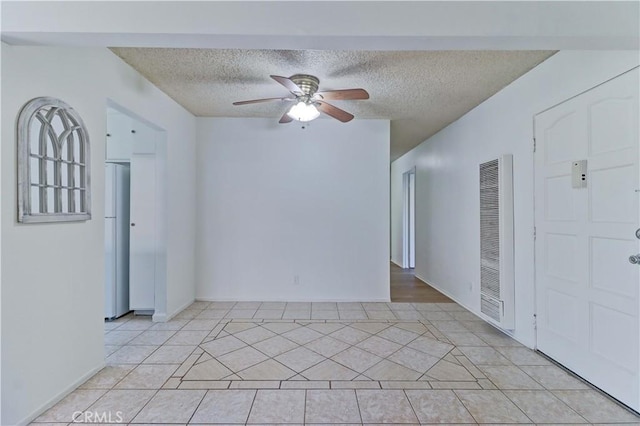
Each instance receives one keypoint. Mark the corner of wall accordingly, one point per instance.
(2, 47)
(87, 78)
(169, 316)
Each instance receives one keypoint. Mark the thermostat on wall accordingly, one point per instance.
(579, 174)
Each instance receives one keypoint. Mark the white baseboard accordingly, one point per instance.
(473, 311)
(223, 299)
(168, 317)
(159, 317)
(60, 396)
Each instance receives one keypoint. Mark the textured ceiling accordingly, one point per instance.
(421, 92)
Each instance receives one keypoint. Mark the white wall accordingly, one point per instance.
(276, 201)
(2, 45)
(52, 305)
(447, 201)
(363, 25)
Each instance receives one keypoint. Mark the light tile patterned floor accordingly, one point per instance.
(326, 363)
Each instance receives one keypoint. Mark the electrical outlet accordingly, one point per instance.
(296, 280)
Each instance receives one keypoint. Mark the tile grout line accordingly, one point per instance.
(355, 394)
(304, 409)
(413, 410)
(145, 404)
(465, 407)
(554, 396)
(198, 406)
(255, 394)
(433, 332)
(516, 405)
(118, 382)
(354, 345)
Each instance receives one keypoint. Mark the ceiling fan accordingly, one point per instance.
(309, 103)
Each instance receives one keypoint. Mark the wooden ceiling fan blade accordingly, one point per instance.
(257, 101)
(335, 112)
(285, 118)
(286, 82)
(343, 95)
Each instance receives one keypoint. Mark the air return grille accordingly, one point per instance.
(496, 241)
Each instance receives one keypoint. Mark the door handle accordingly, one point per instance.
(635, 259)
(133, 224)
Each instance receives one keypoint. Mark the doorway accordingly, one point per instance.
(409, 219)
(118, 147)
(405, 286)
(135, 236)
(587, 189)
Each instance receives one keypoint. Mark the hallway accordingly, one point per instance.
(405, 287)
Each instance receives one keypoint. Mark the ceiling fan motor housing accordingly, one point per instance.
(308, 83)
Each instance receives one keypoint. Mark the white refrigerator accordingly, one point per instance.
(117, 178)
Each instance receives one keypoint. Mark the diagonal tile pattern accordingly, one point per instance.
(329, 363)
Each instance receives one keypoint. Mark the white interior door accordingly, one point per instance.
(586, 288)
(143, 232)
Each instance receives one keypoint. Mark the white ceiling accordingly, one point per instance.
(420, 92)
(416, 58)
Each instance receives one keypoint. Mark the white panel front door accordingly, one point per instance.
(587, 291)
(143, 232)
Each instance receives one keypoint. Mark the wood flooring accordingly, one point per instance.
(405, 287)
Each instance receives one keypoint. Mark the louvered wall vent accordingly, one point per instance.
(497, 301)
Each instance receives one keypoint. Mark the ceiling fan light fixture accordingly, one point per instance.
(303, 111)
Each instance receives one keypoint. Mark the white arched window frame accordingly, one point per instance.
(53, 163)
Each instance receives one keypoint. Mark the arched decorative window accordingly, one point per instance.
(53, 163)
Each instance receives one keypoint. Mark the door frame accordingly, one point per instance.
(536, 286)
(160, 141)
(409, 183)
(533, 196)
